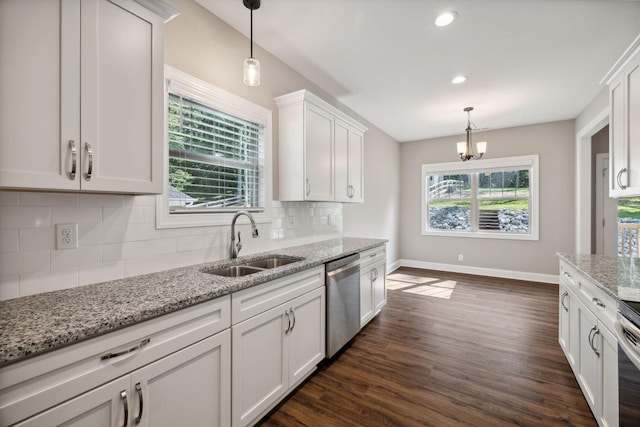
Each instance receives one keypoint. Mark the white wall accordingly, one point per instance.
(535, 260)
(117, 233)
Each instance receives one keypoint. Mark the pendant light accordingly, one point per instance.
(251, 65)
(465, 149)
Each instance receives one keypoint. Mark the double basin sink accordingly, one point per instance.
(251, 267)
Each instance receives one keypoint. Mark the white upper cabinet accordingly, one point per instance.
(321, 151)
(82, 105)
(624, 123)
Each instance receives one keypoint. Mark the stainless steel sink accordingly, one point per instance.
(272, 262)
(234, 271)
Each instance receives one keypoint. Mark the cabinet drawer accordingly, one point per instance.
(255, 300)
(37, 384)
(602, 305)
(568, 274)
(372, 256)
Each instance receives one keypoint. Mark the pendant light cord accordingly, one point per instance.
(251, 56)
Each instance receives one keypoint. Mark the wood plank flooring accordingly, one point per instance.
(448, 350)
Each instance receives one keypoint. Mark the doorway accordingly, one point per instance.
(606, 210)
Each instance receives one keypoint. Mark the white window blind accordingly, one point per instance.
(216, 160)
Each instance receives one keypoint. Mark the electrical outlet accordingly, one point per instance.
(460, 257)
(66, 236)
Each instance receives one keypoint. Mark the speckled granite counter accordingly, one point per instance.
(617, 276)
(36, 324)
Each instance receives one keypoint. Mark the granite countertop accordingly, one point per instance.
(36, 324)
(617, 276)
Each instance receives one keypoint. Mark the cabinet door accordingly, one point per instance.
(632, 125)
(306, 339)
(356, 166)
(191, 387)
(318, 154)
(259, 367)
(617, 140)
(564, 304)
(121, 97)
(379, 287)
(106, 406)
(588, 361)
(608, 345)
(40, 102)
(366, 295)
(341, 161)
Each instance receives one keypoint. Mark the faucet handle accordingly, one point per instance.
(239, 244)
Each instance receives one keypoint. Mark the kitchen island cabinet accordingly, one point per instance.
(587, 316)
(84, 109)
(373, 289)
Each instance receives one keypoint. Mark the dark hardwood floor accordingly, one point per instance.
(448, 350)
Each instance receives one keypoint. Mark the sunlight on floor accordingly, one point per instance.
(419, 285)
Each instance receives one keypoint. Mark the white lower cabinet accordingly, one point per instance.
(190, 387)
(373, 289)
(274, 350)
(585, 324)
(170, 371)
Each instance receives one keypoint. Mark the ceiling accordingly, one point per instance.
(528, 61)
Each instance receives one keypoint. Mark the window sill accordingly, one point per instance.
(483, 235)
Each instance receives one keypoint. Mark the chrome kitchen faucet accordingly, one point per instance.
(235, 248)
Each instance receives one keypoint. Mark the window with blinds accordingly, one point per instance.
(216, 160)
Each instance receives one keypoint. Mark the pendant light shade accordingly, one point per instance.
(465, 148)
(251, 65)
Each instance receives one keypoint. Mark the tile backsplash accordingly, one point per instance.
(117, 238)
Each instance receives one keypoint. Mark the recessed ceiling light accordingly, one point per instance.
(446, 18)
(459, 79)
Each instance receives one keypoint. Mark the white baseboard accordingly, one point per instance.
(393, 266)
(481, 271)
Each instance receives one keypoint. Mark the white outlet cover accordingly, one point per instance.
(66, 236)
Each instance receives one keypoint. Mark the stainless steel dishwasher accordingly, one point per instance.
(343, 302)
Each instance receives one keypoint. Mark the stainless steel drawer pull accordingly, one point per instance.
(90, 156)
(140, 402)
(123, 397)
(566, 273)
(129, 350)
(597, 302)
(619, 178)
(74, 159)
(564, 295)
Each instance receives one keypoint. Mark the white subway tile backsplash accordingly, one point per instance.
(9, 198)
(37, 238)
(48, 199)
(118, 238)
(24, 217)
(112, 200)
(35, 283)
(158, 247)
(121, 251)
(89, 215)
(24, 262)
(75, 257)
(96, 273)
(9, 287)
(9, 241)
(122, 215)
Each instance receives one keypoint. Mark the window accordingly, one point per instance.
(217, 148)
(493, 198)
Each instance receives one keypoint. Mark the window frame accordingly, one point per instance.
(229, 103)
(530, 162)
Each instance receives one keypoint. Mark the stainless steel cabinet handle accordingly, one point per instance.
(308, 187)
(128, 350)
(374, 274)
(592, 338)
(350, 191)
(286, 331)
(74, 159)
(90, 156)
(619, 178)
(567, 274)
(294, 319)
(140, 402)
(564, 295)
(123, 398)
(597, 302)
